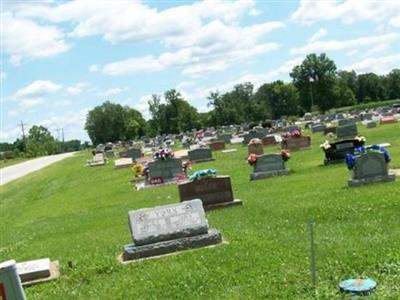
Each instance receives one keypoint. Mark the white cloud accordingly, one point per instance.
(26, 104)
(24, 39)
(379, 65)
(113, 92)
(3, 75)
(395, 22)
(94, 68)
(347, 11)
(318, 35)
(37, 89)
(214, 48)
(133, 21)
(76, 88)
(334, 45)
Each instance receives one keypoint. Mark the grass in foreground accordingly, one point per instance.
(72, 213)
(10, 162)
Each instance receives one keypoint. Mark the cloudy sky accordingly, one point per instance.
(61, 58)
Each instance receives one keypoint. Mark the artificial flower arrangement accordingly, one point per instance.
(360, 138)
(164, 154)
(252, 158)
(326, 145)
(138, 170)
(351, 158)
(293, 134)
(202, 174)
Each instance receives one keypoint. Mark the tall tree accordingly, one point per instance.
(371, 87)
(392, 84)
(112, 122)
(40, 142)
(315, 80)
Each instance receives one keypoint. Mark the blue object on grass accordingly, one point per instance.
(357, 286)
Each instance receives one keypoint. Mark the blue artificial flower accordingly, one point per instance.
(350, 161)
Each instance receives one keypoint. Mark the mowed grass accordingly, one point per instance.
(14, 161)
(77, 214)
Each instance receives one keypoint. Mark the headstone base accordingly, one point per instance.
(223, 204)
(202, 160)
(95, 164)
(54, 274)
(333, 161)
(261, 175)
(143, 185)
(132, 252)
(360, 182)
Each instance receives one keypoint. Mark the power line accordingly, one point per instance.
(22, 124)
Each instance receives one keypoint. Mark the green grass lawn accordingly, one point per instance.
(69, 212)
(14, 161)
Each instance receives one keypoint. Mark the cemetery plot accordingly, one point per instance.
(216, 145)
(346, 131)
(269, 140)
(368, 168)
(200, 155)
(123, 163)
(214, 192)
(335, 152)
(37, 271)
(296, 143)
(268, 165)
(133, 153)
(169, 228)
(97, 160)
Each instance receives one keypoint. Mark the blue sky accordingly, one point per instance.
(61, 58)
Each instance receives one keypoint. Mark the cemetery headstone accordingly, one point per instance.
(337, 151)
(226, 137)
(346, 131)
(255, 147)
(169, 228)
(214, 192)
(371, 124)
(200, 155)
(97, 160)
(370, 167)
(296, 143)
(317, 128)
(269, 140)
(123, 163)
(133, 153)
(331, 129)
(161, 171)
(268, 165)
(216, 145)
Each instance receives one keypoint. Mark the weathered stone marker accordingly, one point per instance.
(214, 192)
(346, 131)
(34, 269)
(296, 143)
(268, 165)
(166, 169)
(370, 167)
(217, 145)
(338, 150)
(200, 155)
(169, 228)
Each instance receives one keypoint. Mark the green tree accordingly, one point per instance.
(315, 81)
(112, 122)
(276, 99)
(392, 83)
(40, 142)
(371, 87)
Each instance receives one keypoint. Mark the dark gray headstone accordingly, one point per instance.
(133, 153)
(370, 167)
(346, 131)
(268, 165)
(200, 154)
(226, 137)
(317, 128)
(166, 169)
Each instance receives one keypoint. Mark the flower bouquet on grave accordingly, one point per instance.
(352, 158)
(186, 165)
(325, 146)
(138, 170)
(202, 174)
(360, 139)
(285, 155)
(252, 159)
(163, 154)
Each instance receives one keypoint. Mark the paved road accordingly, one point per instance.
(10, 173)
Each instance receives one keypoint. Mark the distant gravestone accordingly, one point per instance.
(169, 228)
(370, 167)
(214, 192)
(371, 124)
(296, 143)
(389, 119)
(317, 128)
(123, 163)
(268, 165)
(165, 170)
(36, 271)
(269, 140)
(226, 137)
(200, 155)
(344, 122)
(133, 153)
(97, 160)
(252, 134)
(328, 130)
(217, 145)
(292, 128)
(346, 131)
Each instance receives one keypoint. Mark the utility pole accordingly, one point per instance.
(22, 124)
(62, 133)
(58, 133)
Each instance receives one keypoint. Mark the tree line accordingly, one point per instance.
(316, 85)
(38, 142)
